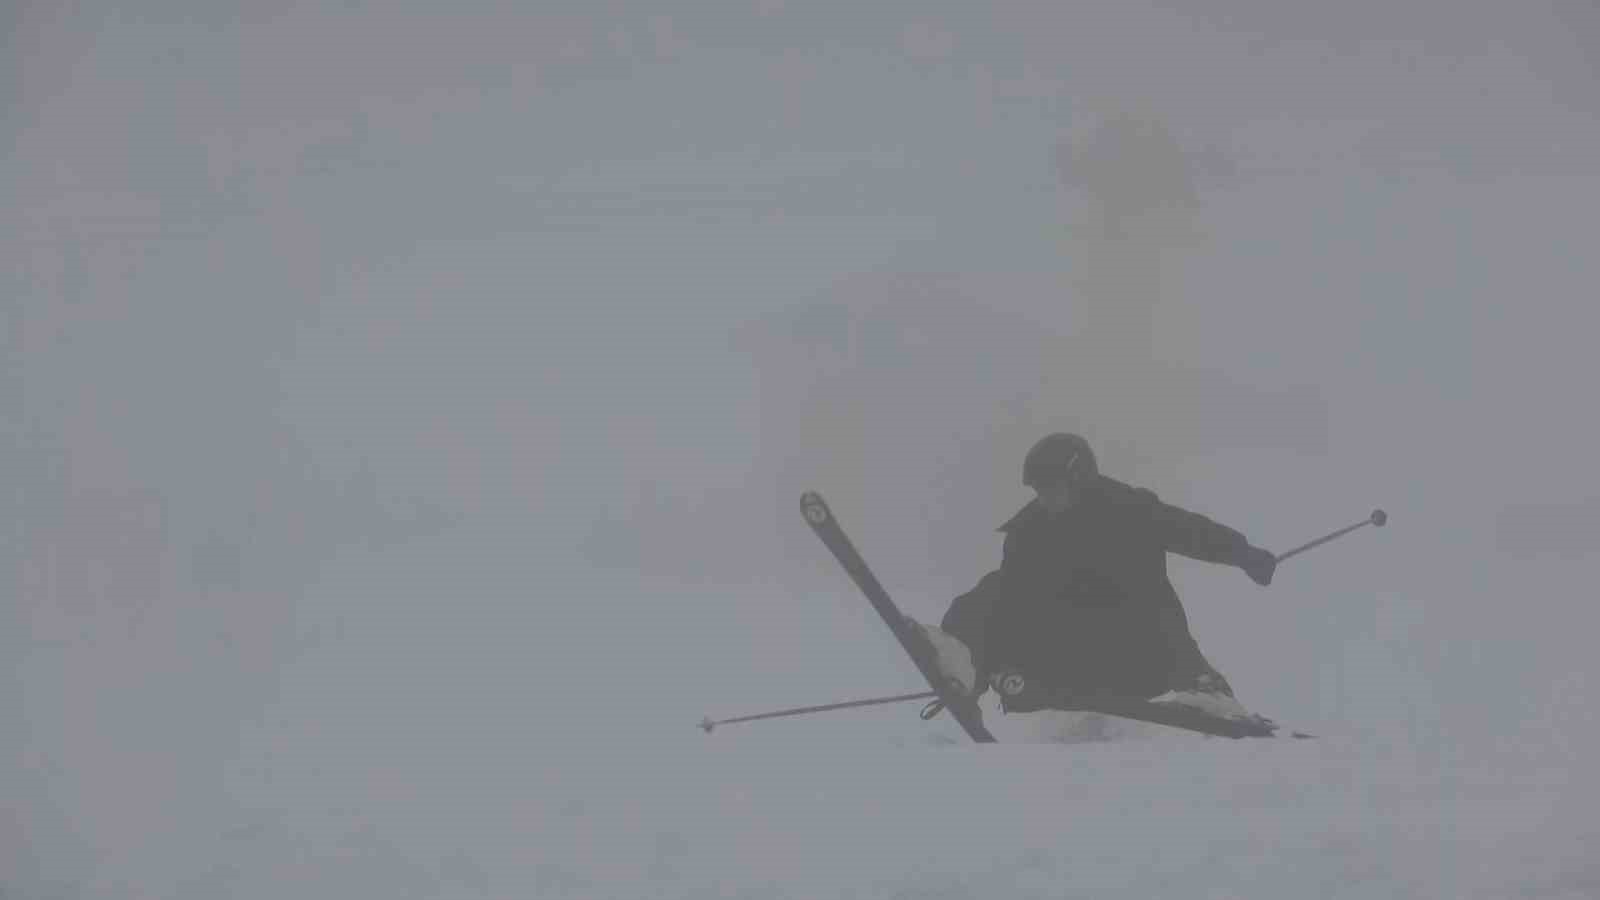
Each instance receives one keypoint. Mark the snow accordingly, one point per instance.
(730, 818)
(1345, 817)
(1216, 704)
(362, 782)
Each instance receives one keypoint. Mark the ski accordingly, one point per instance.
(964, 710)
(1019, 695)
(1176, 716)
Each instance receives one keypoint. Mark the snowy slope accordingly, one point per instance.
(419, 753)
(363, 803)
(1181, 818)
(413, 761)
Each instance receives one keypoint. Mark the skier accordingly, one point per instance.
(1081, 603)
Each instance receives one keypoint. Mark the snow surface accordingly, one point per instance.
(333, 792)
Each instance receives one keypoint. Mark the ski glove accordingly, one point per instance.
(949, 656)
(1259, 564)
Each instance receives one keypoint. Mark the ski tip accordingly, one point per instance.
(812, 505)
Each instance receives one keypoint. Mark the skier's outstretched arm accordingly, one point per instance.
(1197, 537)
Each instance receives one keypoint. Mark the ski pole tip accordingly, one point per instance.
(706, 724)
(1379, 517)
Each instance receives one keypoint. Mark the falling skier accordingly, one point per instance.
(1081, 605)
(1080, 616)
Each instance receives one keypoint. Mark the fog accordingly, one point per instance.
(384, 376)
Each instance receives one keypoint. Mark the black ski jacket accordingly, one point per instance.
(1082, 600)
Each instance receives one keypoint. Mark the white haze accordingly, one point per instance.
(405, 413)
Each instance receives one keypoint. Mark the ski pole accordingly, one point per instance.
(1377, 518)
(708, 723)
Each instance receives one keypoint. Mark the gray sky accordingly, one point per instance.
(494, 347)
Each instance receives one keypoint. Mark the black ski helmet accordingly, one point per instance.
(1056, 457)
